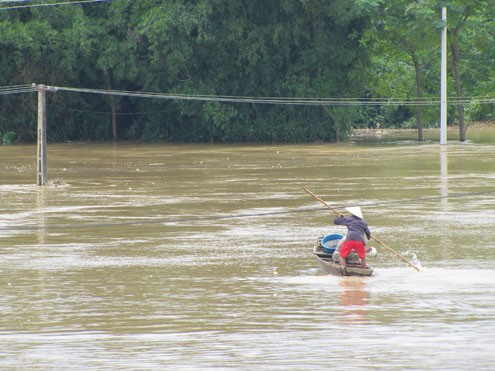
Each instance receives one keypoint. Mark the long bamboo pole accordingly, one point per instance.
(372, 237)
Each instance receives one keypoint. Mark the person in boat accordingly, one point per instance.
(357, 229)
(352, 258)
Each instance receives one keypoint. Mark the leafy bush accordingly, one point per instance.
(8, 137)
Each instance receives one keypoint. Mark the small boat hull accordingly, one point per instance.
(327, 265)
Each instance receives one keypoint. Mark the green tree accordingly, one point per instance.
(403, 36)
(282, 48)
(468, 20)
(261, 49)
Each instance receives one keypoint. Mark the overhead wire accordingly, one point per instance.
(47, 4)
(341, 101)
(277, 100)
(16, 89)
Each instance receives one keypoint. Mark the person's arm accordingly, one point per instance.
(340, 220)
(367, 232)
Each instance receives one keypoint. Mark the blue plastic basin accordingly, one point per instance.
(330, 241)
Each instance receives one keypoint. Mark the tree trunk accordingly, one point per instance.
(113, 106)
(458, 90)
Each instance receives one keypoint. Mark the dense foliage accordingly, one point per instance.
(364, 49)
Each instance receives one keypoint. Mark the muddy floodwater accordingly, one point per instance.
(196, 257)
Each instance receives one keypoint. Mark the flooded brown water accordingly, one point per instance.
(151, 257)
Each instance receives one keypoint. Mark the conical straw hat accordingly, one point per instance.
(356, 211)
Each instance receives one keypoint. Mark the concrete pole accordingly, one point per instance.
(443, 82)
(41, 162)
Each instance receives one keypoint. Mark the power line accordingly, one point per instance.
(47, 4)
(280, 100)
(16, 89)
(301, 101)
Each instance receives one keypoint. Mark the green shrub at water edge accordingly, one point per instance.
(8, 137)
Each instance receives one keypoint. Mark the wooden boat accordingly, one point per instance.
(327, 265)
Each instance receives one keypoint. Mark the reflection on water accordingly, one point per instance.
(197, 257)
(40, 199)
(353, 299)
(444, 175)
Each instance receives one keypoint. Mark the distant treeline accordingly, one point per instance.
(348, 49)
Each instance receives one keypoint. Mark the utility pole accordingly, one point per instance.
(443, 82)
(42, 176)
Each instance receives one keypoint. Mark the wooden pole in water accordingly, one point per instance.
(42, 176)
(372, 237)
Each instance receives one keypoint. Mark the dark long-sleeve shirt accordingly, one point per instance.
(356, 228)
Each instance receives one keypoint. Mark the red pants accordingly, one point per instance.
(357, 246)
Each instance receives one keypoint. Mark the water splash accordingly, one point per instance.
(413, 259)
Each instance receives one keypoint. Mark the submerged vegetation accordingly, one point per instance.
(369, 50)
